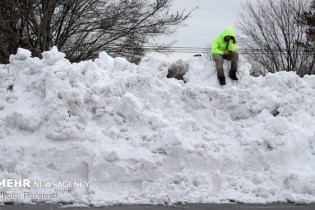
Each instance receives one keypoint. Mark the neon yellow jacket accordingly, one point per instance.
(219, 45)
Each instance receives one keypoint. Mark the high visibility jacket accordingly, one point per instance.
(219, 45)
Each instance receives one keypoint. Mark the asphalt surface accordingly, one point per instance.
(176, 207)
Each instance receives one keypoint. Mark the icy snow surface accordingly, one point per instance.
(138, 137)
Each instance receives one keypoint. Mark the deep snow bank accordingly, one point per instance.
(138, 137)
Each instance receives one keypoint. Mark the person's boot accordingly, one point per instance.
(233, 75)
(222, 80)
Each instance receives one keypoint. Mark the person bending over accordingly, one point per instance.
(224, 48)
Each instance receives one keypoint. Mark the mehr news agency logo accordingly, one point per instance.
(28, 184)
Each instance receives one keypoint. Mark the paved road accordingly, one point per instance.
(177, 207)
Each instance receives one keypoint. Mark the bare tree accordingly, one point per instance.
(83, 28)
(8, 32)
(307, 18)
(272, 35)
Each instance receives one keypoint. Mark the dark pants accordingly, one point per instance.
(218, 59)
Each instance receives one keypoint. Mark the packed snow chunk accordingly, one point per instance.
(121, 64)
(282, 80)
(153, 66)
(53, 56)
(297, 182)
(22, 65)
(23, 121)
(154, 119)
(111, 156)
(129, 106)
(4, 73)
(166, 140)
(105, 62)
(89, 72)
(21, 55)
(66, 130)
(201, 72)
(272, 103)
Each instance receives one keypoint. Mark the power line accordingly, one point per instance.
(195, 50)
(207, 50)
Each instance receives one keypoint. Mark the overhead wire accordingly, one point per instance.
(194, 50)
(205, 50)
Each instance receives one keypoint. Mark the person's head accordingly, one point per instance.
(228, 34)
(227, 38)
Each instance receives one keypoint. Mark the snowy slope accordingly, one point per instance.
(138, 137)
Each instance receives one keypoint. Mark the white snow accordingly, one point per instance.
(137, 137)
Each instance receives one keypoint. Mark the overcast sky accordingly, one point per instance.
(210, 18)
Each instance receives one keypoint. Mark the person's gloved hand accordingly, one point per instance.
(233, 39)
(226, 52)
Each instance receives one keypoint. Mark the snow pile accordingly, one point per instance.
(137, 137)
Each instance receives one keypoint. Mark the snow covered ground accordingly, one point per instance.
(137, 137)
